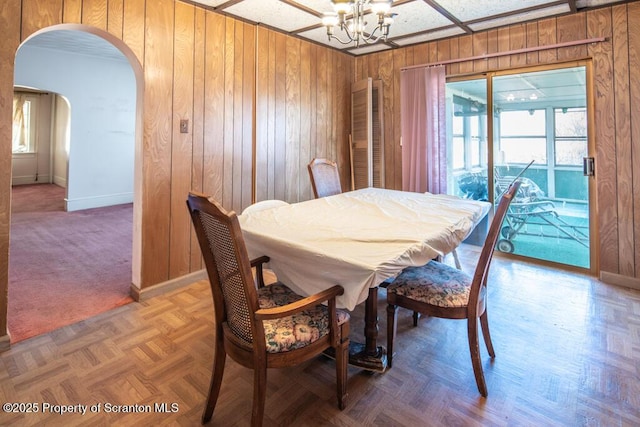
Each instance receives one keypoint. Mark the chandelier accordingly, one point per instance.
(354, 25)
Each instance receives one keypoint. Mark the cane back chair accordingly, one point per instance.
(261, 326)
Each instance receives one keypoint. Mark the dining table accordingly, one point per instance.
(358, 239)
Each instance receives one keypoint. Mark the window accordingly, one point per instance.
(24, 106)
(538, 114)
(468, 132)
(570, 136)
(458, 142)
(476, 140)
(523, 136)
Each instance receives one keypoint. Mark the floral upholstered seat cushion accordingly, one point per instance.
(298, 330)
(434, 283)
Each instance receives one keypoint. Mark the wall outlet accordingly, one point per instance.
(184, 126)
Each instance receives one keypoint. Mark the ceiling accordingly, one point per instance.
(76, 42)
(416, 21)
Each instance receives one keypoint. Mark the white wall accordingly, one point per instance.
(60, 143)
(101, 94)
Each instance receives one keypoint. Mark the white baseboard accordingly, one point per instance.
(60, 181)
(30, 179)
(98, 201)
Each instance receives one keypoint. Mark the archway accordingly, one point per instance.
(77, 197)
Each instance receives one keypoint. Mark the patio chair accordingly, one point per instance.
(533, 214)
(440, 290)
(261, 326)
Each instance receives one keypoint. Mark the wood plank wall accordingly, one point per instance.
(302, 111)
(616, 69)
(244, 90)
(253, 95)
(10, 33)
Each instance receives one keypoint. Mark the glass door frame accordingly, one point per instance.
(590, 106)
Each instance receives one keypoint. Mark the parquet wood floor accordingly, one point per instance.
(568, 354)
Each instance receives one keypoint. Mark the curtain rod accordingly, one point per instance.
(509, 52)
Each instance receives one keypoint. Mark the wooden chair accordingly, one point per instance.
(261, 326)
(440, 290)
(325, 178)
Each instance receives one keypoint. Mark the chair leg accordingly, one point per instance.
(484, 323)
(342, 358)
(474, 349)
(219, 359)
(392, 315)
(416, 316)
(456, 260)
(259, 394)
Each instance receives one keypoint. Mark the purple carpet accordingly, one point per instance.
(64, 267)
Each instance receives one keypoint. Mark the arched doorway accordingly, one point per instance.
(105, 102)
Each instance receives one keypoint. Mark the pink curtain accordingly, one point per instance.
(424, 147)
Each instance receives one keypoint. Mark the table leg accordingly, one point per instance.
(369, 355)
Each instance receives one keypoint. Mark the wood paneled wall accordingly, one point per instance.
(616, 72)
(244, 90)
(260, 105)
(303, 111)
(10, 33)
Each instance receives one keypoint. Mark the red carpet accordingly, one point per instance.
(64, 267)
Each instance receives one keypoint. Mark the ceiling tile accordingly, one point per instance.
(471, 10)
(320, 35)
(319, 6)
(273, 13)
(513, 19)
(415, 17)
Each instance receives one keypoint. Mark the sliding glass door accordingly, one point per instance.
(467, 165)
(538, 131)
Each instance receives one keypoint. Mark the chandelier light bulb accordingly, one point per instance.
(380, 7)
(341, 6)
(349, 17)
(330, 19)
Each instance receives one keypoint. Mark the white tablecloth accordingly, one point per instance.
(357, 239)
